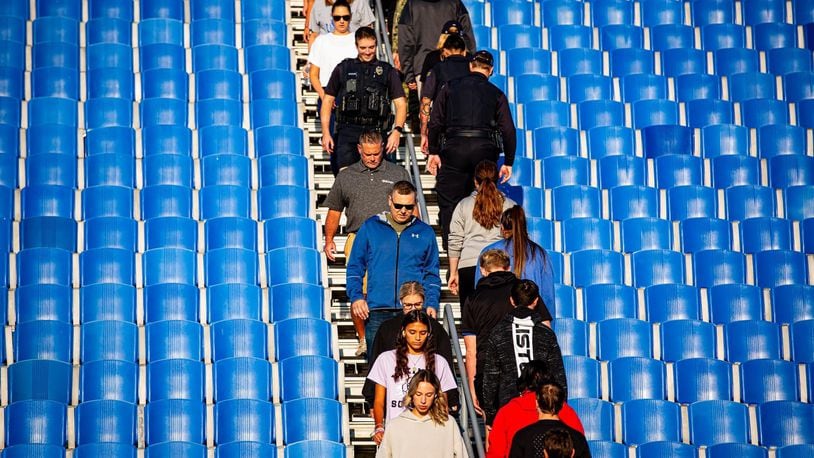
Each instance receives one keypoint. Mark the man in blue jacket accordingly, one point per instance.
(392, 247)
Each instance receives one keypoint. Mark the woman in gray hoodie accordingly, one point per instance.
(424, 428)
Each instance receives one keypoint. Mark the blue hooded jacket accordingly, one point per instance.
(390, 260)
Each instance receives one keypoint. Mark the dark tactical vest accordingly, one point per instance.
(363, 98)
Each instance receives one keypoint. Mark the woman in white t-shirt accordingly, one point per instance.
(331, 48)
(392, 370)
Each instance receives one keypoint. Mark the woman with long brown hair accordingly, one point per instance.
(475, 224)
(528, 259)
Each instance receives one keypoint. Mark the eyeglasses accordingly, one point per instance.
(400, 206)
(345, 18)
(411, 306)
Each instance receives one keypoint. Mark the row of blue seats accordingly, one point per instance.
(238, 449)
(167, 301)
(669, 171)
(744, 340)
(53, 266)
(713, 37)
(694, 379)
(173, 339)
(651, 13)
(683, 202)
(681, 450)
(296, 377)
(237, 420)
(779, 423)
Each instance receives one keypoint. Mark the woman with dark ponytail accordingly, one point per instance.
(529, 260)
(475, 224)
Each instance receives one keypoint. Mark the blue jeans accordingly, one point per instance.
(374, 321)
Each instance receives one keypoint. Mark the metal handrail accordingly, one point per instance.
(412, 161)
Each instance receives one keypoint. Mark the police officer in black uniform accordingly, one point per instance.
(470, 121)
(362, 89)
(454, 64)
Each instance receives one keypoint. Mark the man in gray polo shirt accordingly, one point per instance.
(361, 190)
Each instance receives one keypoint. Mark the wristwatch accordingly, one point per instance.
(399, 129)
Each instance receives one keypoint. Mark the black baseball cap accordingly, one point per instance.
(452, 25)
(485, 57)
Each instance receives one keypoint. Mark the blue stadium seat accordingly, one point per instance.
(599, 112)
(531, 199)
(10, 111)
(765, 233)
(161, 30)
(719, 140)
(718, 267)
(619, 337)
(795, 451)
(110, 140)
(799, 200)
(35, 422)
(178, 448)
(764, 11)
(671, 302)
(107, 265)
(697, 86)
(12, 54)
(702, 379)
(233, 301)
(42, 302)
(172, 339)
(643, 86)
(607, 449)
(231, 265)
(519, 35)
(783, 423)
(161, 55)
(315, 448)
(621, 170)
(584, 87)
(597, 266)
(712, 12)
(706, 112)
(302, 336)
(636, 378)
(289, 231)
(107, 302)
(245, 420)
(39, 379)
(587, 233)
(766, 380)
(29, 450)
(171, 301)
(218, 112)
(168, 83)
(164, 112)
(741, 65)
(166, 200)
(312, 419)
(691, 202)
(597, 417)
(215, 140)
(508, 12)
(226, 169)
(562, 12)
(308, 376)
(808, 235)
(621, 36)
(282, 200)
(44, 339)
(214, 57)
(648, 420)
(167, 169)
(747, 340)
(779, 267)
(297, 300)
(477, 14)
(667, 139)
(271, 84)
(611, 141)
(173, 9)
(109, 30)
(116, 9)
(791, 170)
(671, 36)
(16, 10)
(684, 339)
(230, 232)
(106, 421)
(792, 303)
(249, 448)
(775, 140)
(583, 374)
(46, 232)
(563, 171)
(784, 61)
(212, 32)
(656, 267)
(546, 113)
(631, 61)
(51, 266)
(219, 9)
(284, 169)
(218, 84)
(278, 139)
(575, 201)
(569, 36)
(105, 449)
(798, 86)
(56, 29)
(721, 36)
(564, 301)
(482, 33)
(757, 113)
(273, 112)
(265, 31)
(267, 57)
(174, 420)
(735, 302)
(108, 379)
(239, 338)
(750, 84)
(718, 421)
(225, 201)
(572, 335)
(646, 233)
(530, 61)
(171, 232)
(10, 151)
(655, 112)
(678, 170)
(774, 35)
(666, 448)
(633, 201)
(109, 169)
(734, 170)
(732, 449)
(242, 378)
(109, 340)
(98, 201)
(577, 61)
(11, 83)
(51, 138)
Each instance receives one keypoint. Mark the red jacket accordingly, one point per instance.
(516, 415)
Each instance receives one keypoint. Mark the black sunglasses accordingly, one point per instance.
(400, 206)
(345, 18)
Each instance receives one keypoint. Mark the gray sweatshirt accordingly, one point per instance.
(466, 236)
(408, 436)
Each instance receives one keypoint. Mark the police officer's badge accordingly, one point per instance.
(379, 70)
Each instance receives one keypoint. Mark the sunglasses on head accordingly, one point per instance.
(345, 18)
(400, 206)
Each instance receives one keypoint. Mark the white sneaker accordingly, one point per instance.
(361, 348)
